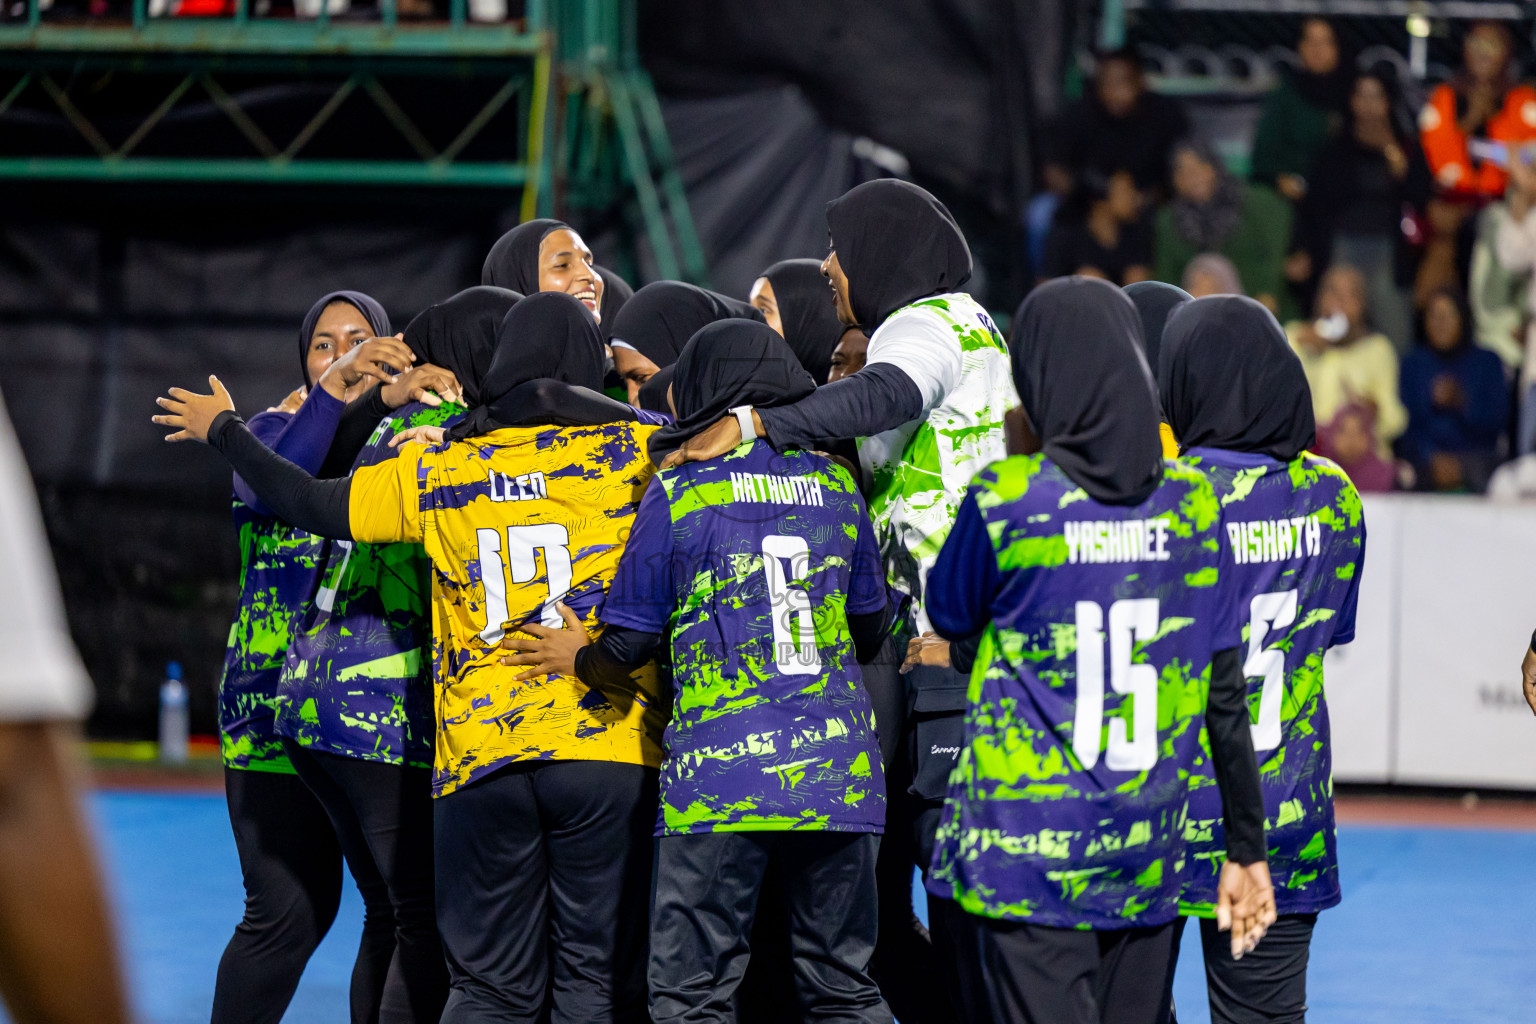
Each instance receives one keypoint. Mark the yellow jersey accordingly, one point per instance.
(514, 521)
(1169, 443)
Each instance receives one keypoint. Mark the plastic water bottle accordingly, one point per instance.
(173, 716)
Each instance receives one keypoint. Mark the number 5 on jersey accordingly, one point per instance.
(1130, 621)
(1268, 613)
(519, 555)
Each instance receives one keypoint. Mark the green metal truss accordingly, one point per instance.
(602, 147)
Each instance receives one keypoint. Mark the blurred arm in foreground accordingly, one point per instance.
(58, 951)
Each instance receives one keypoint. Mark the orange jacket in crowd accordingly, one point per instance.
(1445, 146)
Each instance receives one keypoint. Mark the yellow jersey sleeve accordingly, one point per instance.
(1170, 445)
(385, 504)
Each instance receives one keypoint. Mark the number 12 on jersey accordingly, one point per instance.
(1130, 621)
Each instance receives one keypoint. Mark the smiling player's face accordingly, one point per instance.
(339, 328)
(565, 265)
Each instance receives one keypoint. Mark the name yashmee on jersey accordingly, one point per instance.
(1066, 807)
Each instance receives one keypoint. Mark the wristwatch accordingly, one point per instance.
(743, 414)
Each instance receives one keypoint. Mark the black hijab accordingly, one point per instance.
(896, 244)
(663, 315)
(726, 364)
(652, 396)
(1086, 388)
(459, 334)
(549, 336)
(1230, 380)
(513, 261)
(616, 292)
(367, 305)
(808, 312)
(1154, 300)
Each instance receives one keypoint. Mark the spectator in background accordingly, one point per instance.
(1347, 363)
(1364, 183)
(1302, 113)
(1211, 273)
(1211, 211)
(1456, 398)
(1468, 128)
(1104, 232)
(1499, 294)
(1350, 439)
(1515, 250)
(1118, 125)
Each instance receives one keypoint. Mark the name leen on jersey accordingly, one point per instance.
(528, 487)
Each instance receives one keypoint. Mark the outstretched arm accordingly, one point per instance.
(318, 506)
(878, 398)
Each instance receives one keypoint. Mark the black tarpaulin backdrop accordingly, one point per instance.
(110, 294)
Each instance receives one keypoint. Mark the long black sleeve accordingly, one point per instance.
(358, 422)
(879, 397)
(295, 497)
(962, 653)
(868, 631)
(1237, 769)
(608, 661)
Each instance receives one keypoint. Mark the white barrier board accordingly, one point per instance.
(1358, 678)
(1466, 605)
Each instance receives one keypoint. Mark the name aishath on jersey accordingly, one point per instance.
(1275, 540)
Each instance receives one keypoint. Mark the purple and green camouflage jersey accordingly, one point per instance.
(278, 569)
(1066, 807)
(358, 680)
(1297, 538)
(752, 564)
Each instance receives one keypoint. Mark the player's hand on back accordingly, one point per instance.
(192, 414)
(713, 441)
(380, 359)
(427, 384)
(1245, 904)
(929, 649)
(292, 402)
(426, 435)
(1528, 678)
(546, 650)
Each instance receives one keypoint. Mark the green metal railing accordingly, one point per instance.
(590, 134)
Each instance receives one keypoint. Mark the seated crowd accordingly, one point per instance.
(1399, 255)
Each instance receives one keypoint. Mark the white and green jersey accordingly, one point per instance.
(953, 352)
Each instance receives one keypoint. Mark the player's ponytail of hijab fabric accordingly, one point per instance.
(367, 305)
(808, 312)
(896, 244)
(545, 337)
(1229, 379)
(459, 334)
(726, 364)
(658, 321)
(1154, 300)
(513, 261)
(1086, 388)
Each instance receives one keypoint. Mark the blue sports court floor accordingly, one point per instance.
(1437, 924)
